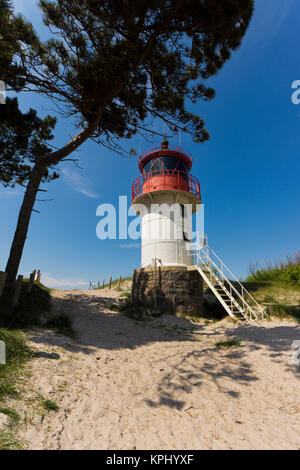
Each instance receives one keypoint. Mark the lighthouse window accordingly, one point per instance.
(167, 162)
(173, 163)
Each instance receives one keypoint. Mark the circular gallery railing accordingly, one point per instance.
(159, 180)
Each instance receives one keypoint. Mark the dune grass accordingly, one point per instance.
(33, 310)
(230, 343)
(50, 405)
(17, 354)
(133, 310)
(285, 271)
(280, 299)
(30, 308)
(11, 413)
(62, 324)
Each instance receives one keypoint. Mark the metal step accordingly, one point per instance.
(235, 302)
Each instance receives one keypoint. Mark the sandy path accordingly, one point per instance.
(163, 384)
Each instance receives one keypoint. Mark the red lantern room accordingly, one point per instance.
(165, 168)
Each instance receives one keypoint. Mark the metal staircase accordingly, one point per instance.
(236, 300)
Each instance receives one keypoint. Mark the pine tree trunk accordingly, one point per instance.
(23, 223)
(52, 159)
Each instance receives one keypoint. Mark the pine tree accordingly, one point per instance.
(23, 139)
(113, 64)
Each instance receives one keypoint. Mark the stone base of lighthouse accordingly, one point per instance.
(178, 289)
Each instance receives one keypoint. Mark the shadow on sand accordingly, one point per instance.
(99, 328)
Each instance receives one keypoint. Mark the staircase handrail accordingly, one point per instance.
(224, 277)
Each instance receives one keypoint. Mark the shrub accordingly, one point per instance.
(61, 323)
(30, 308)
(287, 271)
(133, 310)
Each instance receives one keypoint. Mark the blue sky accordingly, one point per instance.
(249, 171)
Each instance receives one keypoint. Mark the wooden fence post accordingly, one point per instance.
(119, 283)
(3, 276)
(31, 280)
(17, 291)
(38, 277)
(133, 286)
(110, 279)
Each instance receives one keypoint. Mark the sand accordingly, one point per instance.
(160, 384)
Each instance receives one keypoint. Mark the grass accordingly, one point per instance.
(8, 441)
(50, 405)
(30, 310)
(285, 271)
(33, 310)
(283, 311)
(133, 310)
(126, 294)
(62, 324)
(12, 414)
(269, 291)
(231, 343)
(279, 299)
(17, 353)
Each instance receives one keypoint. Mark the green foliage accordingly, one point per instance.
(231, 343)
(61, 323)
(17, 353)
(286, 271)
(283, 311)
(126, 294)
(133, 310)
(50, 405)
(23, 138)
(9, 42)
(30, 309)
(8, 440)
(12, 414)
(114, 63)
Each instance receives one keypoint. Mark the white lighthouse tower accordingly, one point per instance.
(166, 195)
(171, 277)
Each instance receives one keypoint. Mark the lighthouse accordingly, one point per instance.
(172, 275)
(166, 196)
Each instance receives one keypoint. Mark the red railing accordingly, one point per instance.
(172, 148)
(159, 180)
